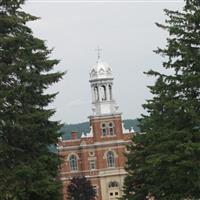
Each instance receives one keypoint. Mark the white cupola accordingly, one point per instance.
(100, 71)
(101, 80)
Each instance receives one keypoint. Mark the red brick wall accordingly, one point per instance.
(96, 124)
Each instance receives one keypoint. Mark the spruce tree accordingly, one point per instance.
(164, 161)
(80, 188)
(28, 170)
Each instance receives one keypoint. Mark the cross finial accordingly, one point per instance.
(98, 52)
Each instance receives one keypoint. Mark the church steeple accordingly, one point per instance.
(101, 80)
(98, 53)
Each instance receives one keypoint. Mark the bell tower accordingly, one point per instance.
(101, 80)
(106, 123)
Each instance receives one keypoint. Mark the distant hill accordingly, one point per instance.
(84, 127)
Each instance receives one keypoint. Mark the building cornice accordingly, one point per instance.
(105, 116)
(103, 173)
(96, 144)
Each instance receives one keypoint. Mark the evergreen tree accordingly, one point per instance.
(28, 170)
(80, 188)
(164, 161)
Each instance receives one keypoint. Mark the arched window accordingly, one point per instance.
(103, 92)
(113, 184)
(96, 93)
(73, 162)
(103, 129)
(110, 159)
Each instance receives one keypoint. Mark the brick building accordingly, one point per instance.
(98, 155)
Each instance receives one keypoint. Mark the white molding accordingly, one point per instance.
(96, 144)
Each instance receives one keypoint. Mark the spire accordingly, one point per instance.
(98, 53)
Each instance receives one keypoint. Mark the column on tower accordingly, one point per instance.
(100, 93)
(93, 94)
(96, 93)
(107, 92)
(110, 91)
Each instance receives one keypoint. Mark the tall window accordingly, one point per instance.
(73, 163)
(103, 92)
(92, 164)
(111, 130)
(103, 129)
(96, 93)
(110, 159)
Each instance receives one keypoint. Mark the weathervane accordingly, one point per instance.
(98, 52)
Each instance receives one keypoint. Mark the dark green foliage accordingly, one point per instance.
(164, 163)
(28, 170)
(80, 189)
(85, 127)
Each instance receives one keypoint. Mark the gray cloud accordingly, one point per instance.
(127, 34)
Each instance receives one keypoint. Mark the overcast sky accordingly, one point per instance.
(125, 31)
